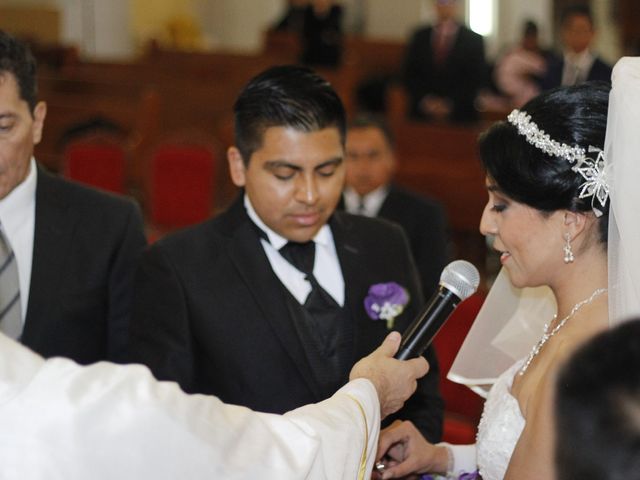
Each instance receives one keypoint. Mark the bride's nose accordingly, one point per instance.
(488, 225)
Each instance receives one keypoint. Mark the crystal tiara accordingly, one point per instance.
(594, 171)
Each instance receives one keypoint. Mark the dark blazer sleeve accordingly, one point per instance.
(417, 66)
(86, 247)
(160, 330)
(553, 75)
(428, 235)
(600, 71)
(425, 224)
(471, 75)
(425, 408)
(120, 283)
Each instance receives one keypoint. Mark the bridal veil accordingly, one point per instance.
(512, 320)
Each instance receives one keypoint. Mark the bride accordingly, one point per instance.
(548, 212)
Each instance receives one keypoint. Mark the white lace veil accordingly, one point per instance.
(512, 320)
(622, 150)
(509, 323)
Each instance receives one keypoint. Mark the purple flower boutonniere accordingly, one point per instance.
(385, 301)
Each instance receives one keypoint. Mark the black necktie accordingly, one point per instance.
(302, 256)
(362, 208)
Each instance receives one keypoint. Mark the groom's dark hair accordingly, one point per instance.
(285, 96)
(598, 408)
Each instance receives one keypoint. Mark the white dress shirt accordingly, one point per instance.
(326, 267)
(61, 421)
(18, 217)
(368, 205)
(577, 67)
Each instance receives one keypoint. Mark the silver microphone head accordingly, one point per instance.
(460, 277)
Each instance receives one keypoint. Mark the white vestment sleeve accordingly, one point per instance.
(62, 421)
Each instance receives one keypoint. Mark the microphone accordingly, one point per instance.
(459, 280)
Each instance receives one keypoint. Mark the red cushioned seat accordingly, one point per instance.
(462, 406)
(98, 162)
(181, 185)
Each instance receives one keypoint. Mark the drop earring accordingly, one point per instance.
(568, 253)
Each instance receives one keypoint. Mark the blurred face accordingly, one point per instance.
(446, 9)
(294, 180)
(530, 42)
(322, 5)
(530, 244)
(19, 132)
(370, 161)
(577, 33)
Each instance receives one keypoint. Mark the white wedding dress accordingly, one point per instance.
(500, 427)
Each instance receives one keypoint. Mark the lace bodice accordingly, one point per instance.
(500, 427)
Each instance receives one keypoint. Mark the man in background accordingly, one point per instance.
(371, 163)
(67, 252)
(445, 68)
(578, 63)
(269, 304)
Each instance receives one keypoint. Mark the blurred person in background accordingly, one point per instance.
(578, 63)
(444, 68)
(371, 164)
(519, 71)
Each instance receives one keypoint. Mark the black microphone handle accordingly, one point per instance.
(419, 335)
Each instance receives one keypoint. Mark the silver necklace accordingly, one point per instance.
(548, 334)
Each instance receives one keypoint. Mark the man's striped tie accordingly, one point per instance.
(10, 316)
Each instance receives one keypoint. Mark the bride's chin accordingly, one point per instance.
(516, 280)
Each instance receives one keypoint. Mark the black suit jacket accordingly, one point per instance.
(425, 224)
(553, 77)
(210, 313)
(459, 79)
(85, 251)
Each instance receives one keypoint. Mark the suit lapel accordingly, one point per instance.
(52, 238)
(350, 255)
(254, 268)
(389, 206)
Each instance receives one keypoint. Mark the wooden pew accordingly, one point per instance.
(131, 106)
(441, 161)
(365, 59)
(197, 90)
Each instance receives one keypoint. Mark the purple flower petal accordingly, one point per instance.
(382, 296)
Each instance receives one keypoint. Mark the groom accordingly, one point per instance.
(264, 306)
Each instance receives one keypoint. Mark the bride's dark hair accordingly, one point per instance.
(576, 116)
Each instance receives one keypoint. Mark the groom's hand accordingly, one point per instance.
(394, 380)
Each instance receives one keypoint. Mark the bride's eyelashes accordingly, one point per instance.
(499, 207)
(498, 203)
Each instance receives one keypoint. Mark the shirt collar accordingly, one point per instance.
(323, 237)
(448, 27)
(13, 208)
(372, 201)
(582, 59)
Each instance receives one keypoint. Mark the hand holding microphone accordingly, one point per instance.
(459, 280)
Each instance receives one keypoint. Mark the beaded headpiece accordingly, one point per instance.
(594, 171)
